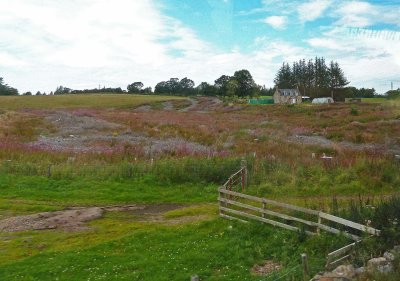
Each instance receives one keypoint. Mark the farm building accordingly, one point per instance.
(322, 100)
(287, 96)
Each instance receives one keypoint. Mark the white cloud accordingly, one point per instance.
(312, 10)
(329, 43)
(364, 14)
(277, 22)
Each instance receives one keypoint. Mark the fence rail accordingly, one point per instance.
(236, 205)
(230, 204)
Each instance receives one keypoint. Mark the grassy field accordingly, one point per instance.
(82, 153)
(79, 101)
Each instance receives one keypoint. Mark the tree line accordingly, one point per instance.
(313, 78)
(6, 90)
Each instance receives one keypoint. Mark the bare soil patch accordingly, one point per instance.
(266, 268)
(75, 219)
(70, 220)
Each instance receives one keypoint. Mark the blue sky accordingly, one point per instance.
(86, 43)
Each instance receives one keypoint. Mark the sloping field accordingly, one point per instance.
(79, 101)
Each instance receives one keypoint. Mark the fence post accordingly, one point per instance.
(306, 269)
(319, 222)
(243, 165)
(263, 206)
(194, 278)
(49, 171)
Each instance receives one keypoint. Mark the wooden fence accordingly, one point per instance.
(236, 205)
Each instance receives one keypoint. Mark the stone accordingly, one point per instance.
(389, 256)
(360, 271)
(375, 262)
(396, 249)
(387, 268)
(345, 271)
(333, 277)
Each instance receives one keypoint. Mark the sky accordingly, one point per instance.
(90, 43)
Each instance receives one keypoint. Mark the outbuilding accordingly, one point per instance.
(323, 100)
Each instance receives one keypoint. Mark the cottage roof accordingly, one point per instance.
(288, 92)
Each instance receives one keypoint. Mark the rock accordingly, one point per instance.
(360, 271)
(381, 264)
(333, 277)
(345, 271)
(396, 250)
(389, 256)
(387, 268)
(375, 262)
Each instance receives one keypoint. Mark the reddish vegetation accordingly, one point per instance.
(207, 128)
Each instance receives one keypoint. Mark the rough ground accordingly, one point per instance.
(324, 142)
(266, 268)
(71, 220)
(77, 133)
(75, 219)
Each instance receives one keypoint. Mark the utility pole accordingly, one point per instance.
(391, 86)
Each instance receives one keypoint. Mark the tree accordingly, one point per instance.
(393, 94)
(245, 83)
(283, 78)
(146, 90)
(27, 94)
(135, 87)
(62, 90)
(232, 88)
(6, 90)
(313, 78)
(186, 86)
(337, 80)
(221, 84)
(206, 89)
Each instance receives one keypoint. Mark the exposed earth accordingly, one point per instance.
(76, 218)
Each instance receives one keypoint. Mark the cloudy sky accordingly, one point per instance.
(86, 43)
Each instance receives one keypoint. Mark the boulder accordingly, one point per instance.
(345, 271)
(360, 271)
(389, 256)
(375, 262)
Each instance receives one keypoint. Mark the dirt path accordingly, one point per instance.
(190, 107)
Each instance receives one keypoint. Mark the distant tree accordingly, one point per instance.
(245, 83)
(336, 78)
(321, 74)
(284, 77)
(174, 86)
(221, 84)
(6, 90)
(27, 94)
(186, 86)
(135, 87)
(313, 78)
(146, 90)
(161, 88)
(393, 94)
(266, 91)
(38, 93)
(62, 90)
(206, 89)
(232, 88)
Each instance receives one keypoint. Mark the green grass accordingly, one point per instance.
(79, 101)
(374, 100)
(215, 250)
(85, 191)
